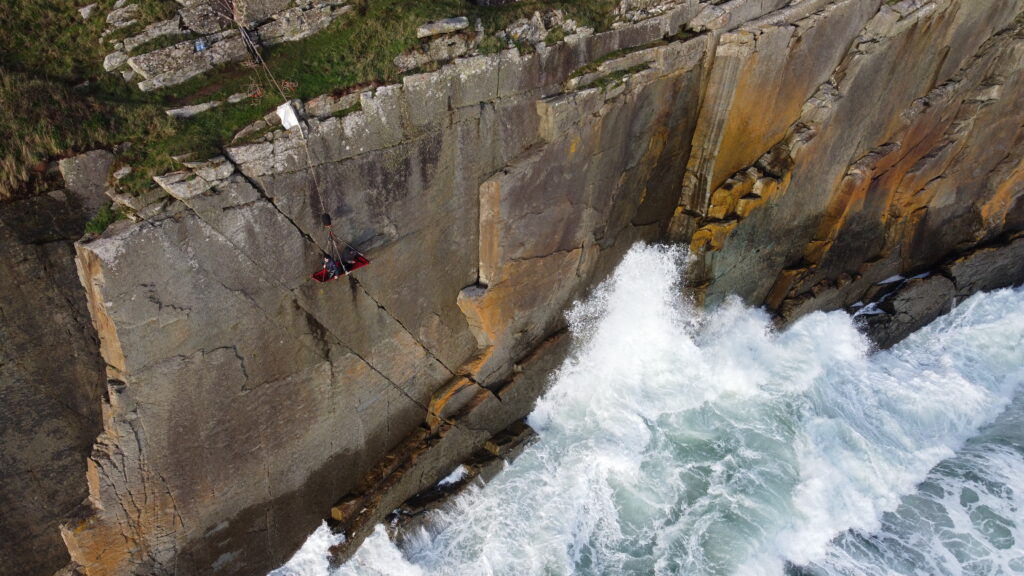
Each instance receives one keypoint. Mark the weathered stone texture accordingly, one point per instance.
(848, 175)
(761, 78)
(86, 178)
(917, 301)
(175, 64)
(151, 32)
(988, 268)
(231, 317)
(51, 378)
(251, 12)
(445, 26)
(203, 351)
(220, 26)
(297, 23)
(805, 154)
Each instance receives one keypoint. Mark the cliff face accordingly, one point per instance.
(898, 143)
(51, 379)
(805, 153)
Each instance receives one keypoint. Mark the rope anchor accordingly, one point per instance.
(337, 256)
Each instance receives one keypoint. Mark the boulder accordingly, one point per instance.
(114, 60)
(175, 64)
(297, 23)
(446, 26)
(205, 18)
(152, 32)
(87, 11)
(124, 16)
(914, 305)
(989, 268)
(527, 30)
(86, 177)
(250, 12)
(193, 109)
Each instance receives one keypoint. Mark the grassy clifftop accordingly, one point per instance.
(56, 100)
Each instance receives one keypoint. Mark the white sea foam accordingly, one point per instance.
(673, 442)
(311, 559)
(456, 476)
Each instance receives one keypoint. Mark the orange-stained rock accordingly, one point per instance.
(900, 180)
(803, 155)
(448, 399)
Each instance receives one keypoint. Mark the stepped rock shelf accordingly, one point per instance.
(208, 33)
(805, 151)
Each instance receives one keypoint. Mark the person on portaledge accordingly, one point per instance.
(333, 271)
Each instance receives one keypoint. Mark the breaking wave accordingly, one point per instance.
(677, 442)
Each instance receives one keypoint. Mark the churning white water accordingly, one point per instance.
(673, 442)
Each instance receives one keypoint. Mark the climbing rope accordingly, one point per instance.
(257, 57)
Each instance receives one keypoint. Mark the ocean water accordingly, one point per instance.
(678, 442)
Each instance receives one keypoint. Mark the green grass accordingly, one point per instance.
(554, 36)
(48, 52)
(150, 11)
(55, 98)
(161, 42)
(201, 136)
(346, 111)
(41, 119)
(615, 78)
(49, 38)
(490, 45)
(594, 65)
(103, 219)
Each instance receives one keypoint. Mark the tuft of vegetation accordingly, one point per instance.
(42, 118)
(346, 111)
(555, 35)
(593, 66)
(162, 42)
(56, 100)
(490, 45)
(683, 35)
(103, 219)
(615, 78)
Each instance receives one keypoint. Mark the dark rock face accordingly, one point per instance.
(870, 186)
(916, 302)
(51, 380)
(913, 306)
(804, 151)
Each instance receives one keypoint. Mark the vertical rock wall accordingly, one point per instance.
(805, 152)
(51, 380)
(906, 151)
